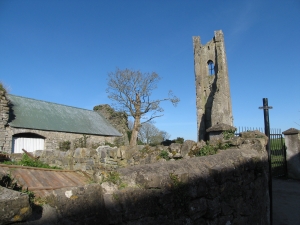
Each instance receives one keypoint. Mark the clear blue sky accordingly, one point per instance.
(62, 51)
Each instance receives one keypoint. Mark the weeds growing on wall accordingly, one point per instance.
(114, 177)
(27, 161)
(210, 149)
(207, 150)
(110, 144)
(164, 154)
(81, 142)
(2, 88)
(64, 145)
(228, 134)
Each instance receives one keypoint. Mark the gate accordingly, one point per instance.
(277, 147)
(278, 155)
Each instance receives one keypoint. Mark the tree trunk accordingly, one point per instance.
(135, 130)
(137, 120)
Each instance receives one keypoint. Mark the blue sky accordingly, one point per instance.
(62, 51)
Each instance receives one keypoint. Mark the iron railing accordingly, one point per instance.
(277, 147)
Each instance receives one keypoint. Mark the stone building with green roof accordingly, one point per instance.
(32, 124)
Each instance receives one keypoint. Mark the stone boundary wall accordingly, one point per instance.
(97, 162)
(230, 187)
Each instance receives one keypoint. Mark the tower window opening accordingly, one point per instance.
(211, 68)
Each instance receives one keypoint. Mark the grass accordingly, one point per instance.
(164, 154)
(27, 161)
(278, 160)
(276, 143)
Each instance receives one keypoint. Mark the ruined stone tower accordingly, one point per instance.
(212, 84)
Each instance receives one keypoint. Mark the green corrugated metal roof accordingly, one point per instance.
(41, 115)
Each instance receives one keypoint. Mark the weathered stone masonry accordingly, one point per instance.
(212, 84)
(4, 115)
(230, 187)
(53, 138)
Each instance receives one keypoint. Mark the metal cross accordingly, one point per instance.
(266, 108)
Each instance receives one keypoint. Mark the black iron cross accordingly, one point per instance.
(266, 108)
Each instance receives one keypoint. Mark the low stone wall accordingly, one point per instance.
(97, 162)
(230, 187)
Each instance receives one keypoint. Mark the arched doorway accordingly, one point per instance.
(28, 141)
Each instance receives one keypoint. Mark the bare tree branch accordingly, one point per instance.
(131, 91)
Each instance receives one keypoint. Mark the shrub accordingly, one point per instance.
(164, 154)
(64, 146)
(207, 150)
(210, 149)
(81, 142)
(228, 134)
(179, 140)
(113, 177)
(2, 88)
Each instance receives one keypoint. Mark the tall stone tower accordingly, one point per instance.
(212, 84)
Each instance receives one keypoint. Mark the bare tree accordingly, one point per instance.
(165, 135)
(131, 91)
(150, 134)
(147, 132)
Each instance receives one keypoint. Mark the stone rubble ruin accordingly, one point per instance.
(213, 100)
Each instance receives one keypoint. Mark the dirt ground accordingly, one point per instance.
(286, 202)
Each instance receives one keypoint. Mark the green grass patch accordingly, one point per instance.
(164, 154)
(27, 161)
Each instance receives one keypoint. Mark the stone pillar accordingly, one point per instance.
(292, 142)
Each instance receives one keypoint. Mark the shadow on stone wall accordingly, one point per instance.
(228, 188)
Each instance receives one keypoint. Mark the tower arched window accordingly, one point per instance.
(211, 67)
